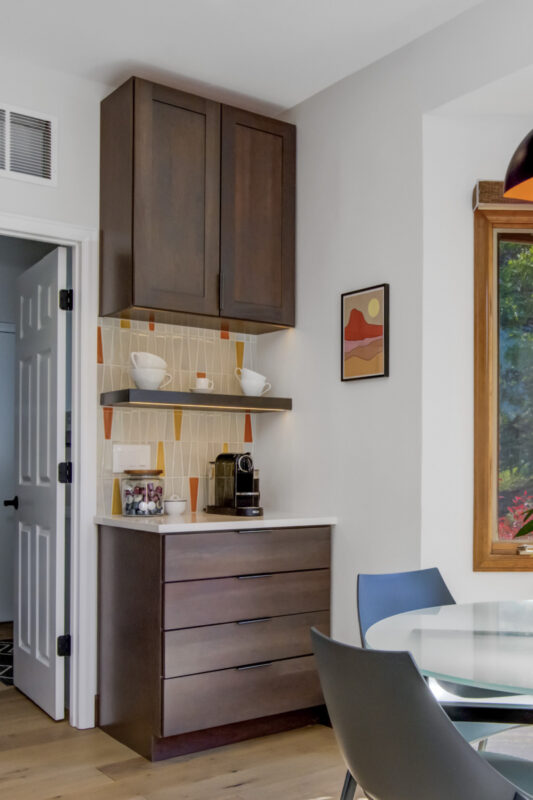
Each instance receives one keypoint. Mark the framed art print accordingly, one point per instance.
(365, 333)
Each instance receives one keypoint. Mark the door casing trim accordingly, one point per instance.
(83, 560)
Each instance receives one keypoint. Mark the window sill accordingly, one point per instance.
(503, 558)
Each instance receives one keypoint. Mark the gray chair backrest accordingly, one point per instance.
(396, 740)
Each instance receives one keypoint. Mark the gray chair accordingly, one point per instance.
(397, 742)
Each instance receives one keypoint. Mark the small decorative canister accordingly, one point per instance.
(142, 493)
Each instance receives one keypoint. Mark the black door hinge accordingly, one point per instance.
(64, 472)
(64, 645)
(66, 299)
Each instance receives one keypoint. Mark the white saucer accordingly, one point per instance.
(201, 391)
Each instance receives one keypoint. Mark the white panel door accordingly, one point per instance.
(7, 471)
(40, 446)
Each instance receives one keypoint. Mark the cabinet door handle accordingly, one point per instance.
(251, 577)
(255, 666)
(252, 621)
(255, 530)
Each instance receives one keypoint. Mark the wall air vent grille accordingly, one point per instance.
(2, 138)
(27, 146)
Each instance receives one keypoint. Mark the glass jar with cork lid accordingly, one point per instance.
(142, 493)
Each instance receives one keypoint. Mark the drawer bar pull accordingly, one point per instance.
(255, 530)
(251, 577)
(251, 621)
(255, 666)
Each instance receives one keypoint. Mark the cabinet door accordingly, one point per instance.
(257, 217)
(176, 200)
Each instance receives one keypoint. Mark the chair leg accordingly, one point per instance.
(482, 745)
(348, 790)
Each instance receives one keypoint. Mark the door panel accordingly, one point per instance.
(43, 587)
(176, 200)
(41, 402)
(257, 217)
(24, 588)
(44, 410)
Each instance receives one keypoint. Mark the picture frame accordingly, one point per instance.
(365, 333)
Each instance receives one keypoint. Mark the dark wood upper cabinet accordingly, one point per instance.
(196, 211)
(257, 217)
(160, 200)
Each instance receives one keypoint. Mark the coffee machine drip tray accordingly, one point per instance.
(250, 511)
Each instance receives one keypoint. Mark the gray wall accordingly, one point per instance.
(355, 449)
(16, 255)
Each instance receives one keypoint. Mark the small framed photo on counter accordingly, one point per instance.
(365, 333)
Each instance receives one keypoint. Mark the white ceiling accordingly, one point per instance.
(277, 51)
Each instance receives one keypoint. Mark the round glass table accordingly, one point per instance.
(488, 645)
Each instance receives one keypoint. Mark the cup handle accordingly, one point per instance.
(168, 378)
(238, 372)
(133, 359)
(267, 388)
(210, 384)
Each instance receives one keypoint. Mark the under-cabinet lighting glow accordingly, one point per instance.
(195, 406)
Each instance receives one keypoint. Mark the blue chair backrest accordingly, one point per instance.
(383, 595)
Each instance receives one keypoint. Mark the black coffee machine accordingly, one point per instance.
(236, 491)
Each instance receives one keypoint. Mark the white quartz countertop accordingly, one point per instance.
(189, 523)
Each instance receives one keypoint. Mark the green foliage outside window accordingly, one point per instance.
(515, 468)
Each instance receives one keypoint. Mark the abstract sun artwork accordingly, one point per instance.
(365, 333)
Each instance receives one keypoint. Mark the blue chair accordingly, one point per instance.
(386, 594)
(397, 741)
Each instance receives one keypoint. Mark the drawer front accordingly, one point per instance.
(215, 647)
(193, 603)
(204, 701)
(191, 556)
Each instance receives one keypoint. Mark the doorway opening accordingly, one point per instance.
(35, 398)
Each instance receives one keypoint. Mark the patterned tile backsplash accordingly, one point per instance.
(181, 442)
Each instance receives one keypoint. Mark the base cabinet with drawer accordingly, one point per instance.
(204, 637)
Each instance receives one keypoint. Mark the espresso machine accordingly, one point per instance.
(234, 486)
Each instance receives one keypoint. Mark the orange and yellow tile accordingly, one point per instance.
(116, 501)
(99, 347)
(193, 492)
(108, 421)
(160, 461)
(248, 436)
(178, 419)
(239, 354)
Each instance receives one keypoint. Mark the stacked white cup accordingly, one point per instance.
(252, 383)
(149, 371)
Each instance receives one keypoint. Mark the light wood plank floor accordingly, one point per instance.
(45, 760)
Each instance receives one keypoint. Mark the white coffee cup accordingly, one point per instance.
(254, 389)
(147, 361)
(204, 384)
(252, 383)
(249, 374)
(149, 378)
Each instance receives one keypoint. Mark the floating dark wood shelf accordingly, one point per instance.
(145, 398)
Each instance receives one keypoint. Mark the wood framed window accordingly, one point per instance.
(503, 379)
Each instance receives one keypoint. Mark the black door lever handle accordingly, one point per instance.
(14, 502)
